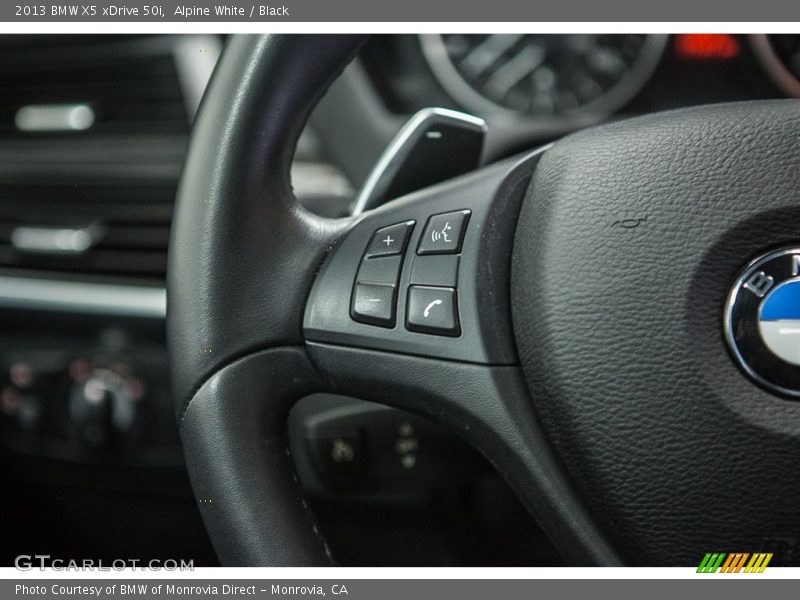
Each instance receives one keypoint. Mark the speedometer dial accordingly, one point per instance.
(543, 75)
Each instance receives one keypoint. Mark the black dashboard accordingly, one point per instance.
(93, 131)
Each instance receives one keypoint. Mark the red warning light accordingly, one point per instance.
(706, 46)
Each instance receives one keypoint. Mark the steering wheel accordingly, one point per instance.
(562, 311)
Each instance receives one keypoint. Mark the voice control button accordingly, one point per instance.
(444, 233)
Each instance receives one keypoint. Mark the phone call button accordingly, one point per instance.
(432, 310)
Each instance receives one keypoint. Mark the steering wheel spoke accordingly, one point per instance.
(428, 274)
(412, 310)
(490, 407)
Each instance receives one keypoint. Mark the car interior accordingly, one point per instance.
(98, 136)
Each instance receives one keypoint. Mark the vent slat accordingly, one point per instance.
(135, 237)
(129, 86)
(134, 222)
(98, 261)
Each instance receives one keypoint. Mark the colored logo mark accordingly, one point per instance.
(779, 321)
(734, 562)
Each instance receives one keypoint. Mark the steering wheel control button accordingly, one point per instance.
(438, 269)
(374, 304)
(444, 233)
(385, 270)
(762, 321)
(339, 456)
(390, 240)
(432, 310)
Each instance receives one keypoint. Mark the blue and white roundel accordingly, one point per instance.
(779, 321)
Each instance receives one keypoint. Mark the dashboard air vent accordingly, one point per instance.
(93, 133)
(102, 85)
(116, 231)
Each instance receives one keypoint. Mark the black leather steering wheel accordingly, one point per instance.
(587, 360)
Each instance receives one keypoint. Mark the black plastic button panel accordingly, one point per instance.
(384, 270)
(374, 300)
(435, 269)
(479, 221)
(432, 295)
(444, 233)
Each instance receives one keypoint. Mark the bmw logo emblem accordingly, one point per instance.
(762, 321)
